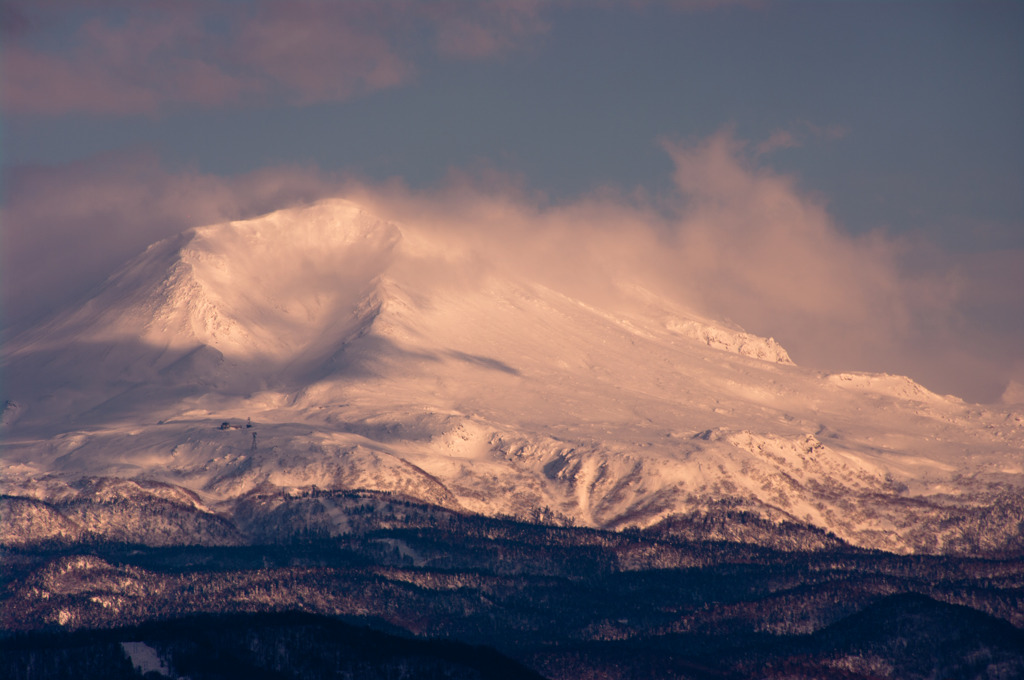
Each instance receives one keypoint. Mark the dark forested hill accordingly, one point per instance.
(566, 602)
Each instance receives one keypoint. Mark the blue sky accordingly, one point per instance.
(901, 120)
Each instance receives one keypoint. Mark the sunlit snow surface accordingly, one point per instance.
(370, 355)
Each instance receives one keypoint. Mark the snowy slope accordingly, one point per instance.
(378, 356)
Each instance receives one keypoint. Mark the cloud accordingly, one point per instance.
(132, 58)
(798, 135)
(740, 242)
(67, 228)
(477, 30)
(753, 247)
(780, 139)
(737, 241)
(746, 233)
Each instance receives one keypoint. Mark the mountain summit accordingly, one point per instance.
(321, 348)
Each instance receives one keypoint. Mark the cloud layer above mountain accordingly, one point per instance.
(735, 241)
(140, 58)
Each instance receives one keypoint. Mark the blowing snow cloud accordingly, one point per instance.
(736, 241)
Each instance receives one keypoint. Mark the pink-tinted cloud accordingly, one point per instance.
(135, 67)
(799, 135)
(130, 58)
(738, 242)
(752, 246)
(741, 242)
(476, 30)
(314, 51)
(756, 249)
(67, 228)
(780, 139)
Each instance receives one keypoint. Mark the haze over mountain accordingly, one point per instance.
(385, 356)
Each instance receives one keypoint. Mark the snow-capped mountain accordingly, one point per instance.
(369, 355)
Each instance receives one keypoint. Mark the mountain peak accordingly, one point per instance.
(402, 359)
(259, 287)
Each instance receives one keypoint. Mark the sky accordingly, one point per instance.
(847, 177)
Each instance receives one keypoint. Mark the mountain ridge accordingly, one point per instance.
(387, 357)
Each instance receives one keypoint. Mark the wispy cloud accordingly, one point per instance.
(755, 248)
(66, 228)
(741, 242)
(799, 135)
(476, 30)
(737, 241)
(132, 58)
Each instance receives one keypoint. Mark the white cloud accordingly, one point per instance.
(738, 241)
